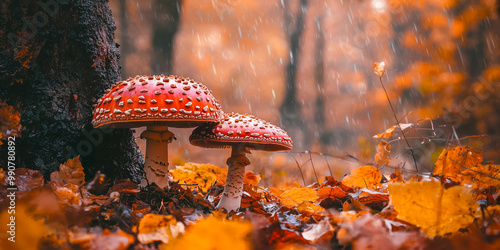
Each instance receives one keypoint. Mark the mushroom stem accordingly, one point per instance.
(156, 163)
(231, 197)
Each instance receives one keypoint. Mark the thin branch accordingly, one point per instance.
(314, 169)
(402, 132)
(327, 164)
(298, 165)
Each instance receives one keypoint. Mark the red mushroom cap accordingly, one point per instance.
(157, 100)
(237, 130)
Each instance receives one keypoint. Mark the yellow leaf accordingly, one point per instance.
(204, 175)
(70, 172)
(27, 231)
(157, 227)
(363, 177)
(211, 233)
(295, 196)
(435, 210)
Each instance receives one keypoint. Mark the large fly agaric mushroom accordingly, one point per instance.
(242, 133)
(157, 102)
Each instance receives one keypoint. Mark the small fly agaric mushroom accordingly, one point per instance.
(242, 133)
(157, 102)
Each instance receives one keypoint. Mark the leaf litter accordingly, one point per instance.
(455, 207)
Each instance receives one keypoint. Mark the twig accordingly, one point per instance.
(402, 132)
(210, 190)
(298, 165)
(456, 136)
(327, 164)
(314, 169)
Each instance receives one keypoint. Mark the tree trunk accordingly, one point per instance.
(57, 57)
(165, 27)
(291, 109)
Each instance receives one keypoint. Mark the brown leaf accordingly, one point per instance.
(375, 201)
(26, 179)
(369, 232)
(71, 172)
(316, 231)
(111, 241)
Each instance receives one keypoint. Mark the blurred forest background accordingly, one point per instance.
(307, 66)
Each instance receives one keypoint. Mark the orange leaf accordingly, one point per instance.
(388, 133)
(451, 163)
(213, 233)
(251, 179)
(383, 153)
(335, 192)
(363, 177)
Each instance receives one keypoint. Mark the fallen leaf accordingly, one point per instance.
(370, 232)
(212, 233)
(157, 227)
(295, 196)
(375, 201)
(111, 241)
(453, 161)
(363, 177)
(309, 208)
(435, 210)
(70, 172)
(316, 231)
(383, 153)
(27, 179)
(332, 192)
(204, 175)
(396, 177)
(251, 179)
(67, 193)
(483, 176)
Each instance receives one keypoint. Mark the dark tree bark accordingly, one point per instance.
(124, 44)
(290, 110)
(57, 57)
(166, 23)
